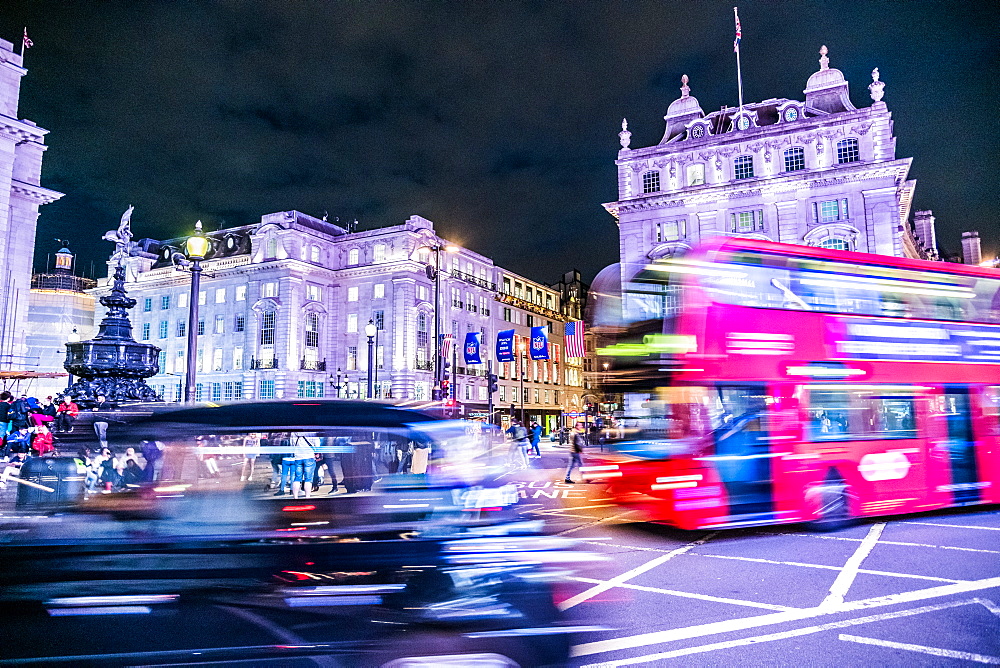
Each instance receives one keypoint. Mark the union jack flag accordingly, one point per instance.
(446, 341)
(739, 31)
(574, 339)
(27, 42)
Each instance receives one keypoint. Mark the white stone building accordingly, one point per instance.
(283, 307)
(818, 172)
(22, 145)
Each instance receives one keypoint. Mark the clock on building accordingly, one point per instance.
(698, 131)
(791, 114)
(231, 243)
(743, 123)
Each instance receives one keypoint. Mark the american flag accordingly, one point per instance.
(27, 42)
(574, 339)
(739, 31)
(446, 341)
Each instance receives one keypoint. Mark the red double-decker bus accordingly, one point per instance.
(768, 383)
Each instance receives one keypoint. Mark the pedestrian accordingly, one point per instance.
(66, 412)
(18, 444)
(5, 400)
(329, 457)
(251, 450)
(18, 413)
(100, 421)
(577, 442)
(41, 443)
(152, 452)
(534, 436)
(518, 454)
(284, 458)
(303, 467)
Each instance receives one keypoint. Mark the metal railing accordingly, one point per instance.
(474, 280)
(424, 366)
(271, 363)
(312, 365)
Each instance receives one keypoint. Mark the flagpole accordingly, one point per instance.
(739, 71)
(22, 45)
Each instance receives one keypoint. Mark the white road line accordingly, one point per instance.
(842, 585)
(730, 625)
(629, 574)
(900, 543)
(866, 571)
(989, 605)
(784, 635)
(953, 526)
(603, 520)
(923, 649)
(685, 594)
(627, 547)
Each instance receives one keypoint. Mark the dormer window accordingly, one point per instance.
(379, 253)
(353, 256)
(650, 182)
(696, 174)
(847, 151)
(743, 167)
(795, 159)
(272, 248)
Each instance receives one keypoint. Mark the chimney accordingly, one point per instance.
(923, 226)
(971, 251)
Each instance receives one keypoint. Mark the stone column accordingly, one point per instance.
(881, 221)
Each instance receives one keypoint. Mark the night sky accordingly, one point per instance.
(496, 120)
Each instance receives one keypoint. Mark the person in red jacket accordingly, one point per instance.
(41, 444)
(66, 412)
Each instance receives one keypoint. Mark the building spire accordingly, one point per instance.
(824, 62)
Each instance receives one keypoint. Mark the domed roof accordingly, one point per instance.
(685, 104)
(827, 76)
(827, 89)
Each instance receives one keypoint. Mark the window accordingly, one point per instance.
(830, 211)
(239, 323)
(314, 254)
(312, 330)
(696, 174)
(672, 230)
(267, 325)
(179, 362)
(220, 324)
(353, 256)
(507, 316)
(314, 293)
(220, 295)
(847, 150)
(378, 291)
(164, 329)
(199, 360)
(352, 322)
(164, 302)
(379, 318)
(227, 392)
(147, 304)
(378, 253)
(864, 413)
(182, 300)
(743, 167)
(145, 331)
(161, 362)
(201, 327)
(530, 321)
(352, 358)
(217, 360)
(422, 293)
(746, 221)
(181, 329)
(241, 293)
(272, 248)
(506, 285)
(650, 182)
(269, 289)
(795, 159)
(835, 243)
(352, 294)
(503, 393)
(379, 357)
(202, 298)
(266, 390)
(237, 358)
(199, 392)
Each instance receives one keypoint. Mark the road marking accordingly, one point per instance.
(954, 526)
(685, 594)
(893, 542)
(612, 518)
(866, 571)
(922, 649)
(777, 636)
(840, 586)
(989, 605)
(730, 625)
(634, 572)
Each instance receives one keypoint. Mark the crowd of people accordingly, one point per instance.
(29, 427)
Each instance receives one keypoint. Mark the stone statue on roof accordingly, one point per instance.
(122, 237)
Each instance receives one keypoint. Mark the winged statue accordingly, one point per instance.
(122, 237)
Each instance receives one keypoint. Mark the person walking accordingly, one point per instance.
(578, 440)
(534, 436)
(303, 467)
(518, 454)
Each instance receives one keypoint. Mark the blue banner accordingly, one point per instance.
(505, 346)
(473, 343)
(539, 343)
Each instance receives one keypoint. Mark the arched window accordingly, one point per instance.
(353, 256)
(651, 182)
(743, 167)
(847, 150)
(835, 243)
(379, 253)
(795, 159)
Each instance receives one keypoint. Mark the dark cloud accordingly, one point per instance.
(496, 120)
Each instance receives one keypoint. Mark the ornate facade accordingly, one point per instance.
(818, 172)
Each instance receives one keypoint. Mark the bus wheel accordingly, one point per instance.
(832, 501)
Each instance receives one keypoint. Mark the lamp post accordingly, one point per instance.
(196, 248)
(336, 385)
(370, 332)
(436, 393)
(74, 337)
(520, 356)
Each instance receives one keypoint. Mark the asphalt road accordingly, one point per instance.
(906, 591)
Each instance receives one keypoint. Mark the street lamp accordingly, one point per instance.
(520, 356)
(437, 395)
(370, 331)
(196, 248)
(74, 337)
(336, 385)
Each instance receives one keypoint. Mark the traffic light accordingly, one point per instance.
(444, 388)
(491, 381)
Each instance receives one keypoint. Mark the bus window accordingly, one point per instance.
(841, 415)
(666, 421)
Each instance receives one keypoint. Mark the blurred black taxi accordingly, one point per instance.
(211, 554)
